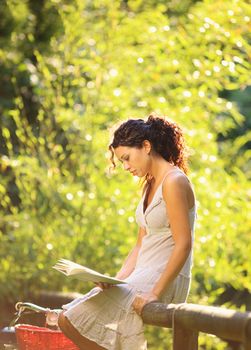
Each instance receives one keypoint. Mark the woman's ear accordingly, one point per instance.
(147, 146)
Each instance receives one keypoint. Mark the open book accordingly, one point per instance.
(72, 269)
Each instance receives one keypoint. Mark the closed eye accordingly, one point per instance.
(126, 159)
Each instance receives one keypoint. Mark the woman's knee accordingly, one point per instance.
(62, 322)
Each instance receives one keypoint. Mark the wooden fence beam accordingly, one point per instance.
(224, 323)
(158, 314)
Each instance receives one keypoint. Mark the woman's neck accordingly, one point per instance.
(159, 168)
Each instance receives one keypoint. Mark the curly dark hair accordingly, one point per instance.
(166, 138)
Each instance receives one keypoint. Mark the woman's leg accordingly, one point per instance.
(71, 333)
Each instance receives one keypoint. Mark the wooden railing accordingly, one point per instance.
(187, 320)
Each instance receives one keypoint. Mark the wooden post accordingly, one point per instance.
(247, 336)
(183, 338)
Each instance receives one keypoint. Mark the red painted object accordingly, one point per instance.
(40, 338)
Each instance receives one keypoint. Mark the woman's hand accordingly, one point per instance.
(141, 300)
(103, 285)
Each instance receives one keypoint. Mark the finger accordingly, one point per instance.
(100, 285)
(138, 305)
(137, 309)
(104, 285)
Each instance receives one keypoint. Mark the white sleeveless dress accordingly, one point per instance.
(107, 316)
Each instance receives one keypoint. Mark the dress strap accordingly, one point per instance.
(170, 171)
(160, 184)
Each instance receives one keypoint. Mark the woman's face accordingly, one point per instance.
(135, 160)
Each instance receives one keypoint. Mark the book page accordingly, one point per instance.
(74, 270)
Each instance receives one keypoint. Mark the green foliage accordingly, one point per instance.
(69, 71)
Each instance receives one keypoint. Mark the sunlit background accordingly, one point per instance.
(69, 70)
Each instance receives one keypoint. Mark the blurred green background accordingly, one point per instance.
(69, 70)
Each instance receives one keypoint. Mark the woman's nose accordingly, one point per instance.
(126, 166)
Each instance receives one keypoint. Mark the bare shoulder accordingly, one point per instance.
(177, 187)
(177, 178)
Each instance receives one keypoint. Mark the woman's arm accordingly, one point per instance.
(130, 262)
(175, 192)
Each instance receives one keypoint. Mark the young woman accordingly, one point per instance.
(159, 265)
